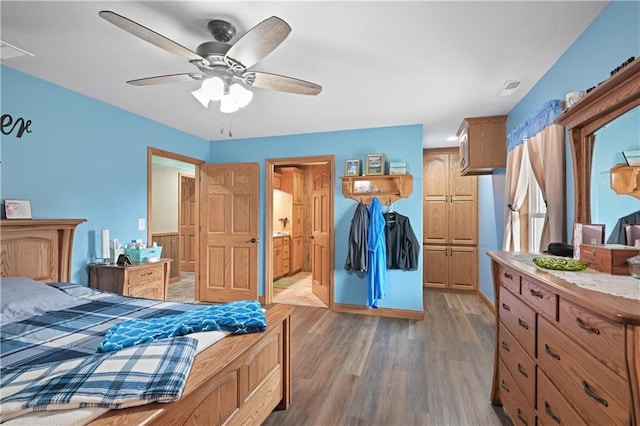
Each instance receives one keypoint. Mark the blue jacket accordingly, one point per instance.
(377, 246)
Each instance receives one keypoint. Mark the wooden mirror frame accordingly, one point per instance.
(612, 98)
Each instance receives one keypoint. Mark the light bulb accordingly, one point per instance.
(214, 87)
(241, 95)
(202, 97)
(228, 104)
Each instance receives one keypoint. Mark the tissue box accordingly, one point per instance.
(608, 258)
(144, 254)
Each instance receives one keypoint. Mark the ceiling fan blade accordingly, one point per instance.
(282, 83)
(259, 41)
(149, 35)
(161, 79)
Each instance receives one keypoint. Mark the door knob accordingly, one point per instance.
(254, 240)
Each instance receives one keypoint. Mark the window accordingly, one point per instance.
(537, 212)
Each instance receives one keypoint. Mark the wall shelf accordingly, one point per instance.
(388, 188)
(626, 180)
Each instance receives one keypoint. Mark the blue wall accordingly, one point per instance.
(83, 159)
(402, 143)
(86, 159)
(613, 37)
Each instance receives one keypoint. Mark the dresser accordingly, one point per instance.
(147, 280)
(564, 354)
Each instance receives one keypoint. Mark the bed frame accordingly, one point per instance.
(238, 380)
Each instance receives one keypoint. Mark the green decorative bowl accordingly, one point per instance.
(561, 263)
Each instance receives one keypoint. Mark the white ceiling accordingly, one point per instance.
(380, 63)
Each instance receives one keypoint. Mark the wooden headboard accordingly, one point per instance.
(39, 249)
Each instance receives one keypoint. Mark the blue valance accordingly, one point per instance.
(535, 123)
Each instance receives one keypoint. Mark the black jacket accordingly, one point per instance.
(403, 248)
(357, 253)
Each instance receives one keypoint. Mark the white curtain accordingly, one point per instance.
(546, 152)
(536, 146)
(517, 184)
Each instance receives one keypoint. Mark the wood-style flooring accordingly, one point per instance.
(366, 370)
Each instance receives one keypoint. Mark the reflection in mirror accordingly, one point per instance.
(622, 134)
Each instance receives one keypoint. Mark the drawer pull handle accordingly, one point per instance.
(506, 307)
(505, 346)
(523, 324)
(504, 386)
(536, 293)
(548, 350)
(522, 371)
(547, 409)
(521, 417)
(590, 329)
(145, 274)
(594, 395)
(508, 276)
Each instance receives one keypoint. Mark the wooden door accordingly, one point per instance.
(228, 232)
(187, 221)
(320, 246)
(436, 266)
(463, 267)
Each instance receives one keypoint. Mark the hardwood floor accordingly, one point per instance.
(366, 370)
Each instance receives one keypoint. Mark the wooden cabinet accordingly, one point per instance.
(387, 188)
(450, 223)
(147, 280)
(281, 256)
(483, 144)
(564, 354)
(292, 181)
(276, 180)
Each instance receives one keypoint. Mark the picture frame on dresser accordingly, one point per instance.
(17, 209)
(375, 164)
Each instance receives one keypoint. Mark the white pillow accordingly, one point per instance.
(22, 298)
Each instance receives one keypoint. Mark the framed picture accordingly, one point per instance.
(17, 209)
(352, 168)
(632, 157)
(375, 164)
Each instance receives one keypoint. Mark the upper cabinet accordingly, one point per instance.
(483, 144)
(292, 181)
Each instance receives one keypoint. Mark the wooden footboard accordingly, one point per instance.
(238, 380)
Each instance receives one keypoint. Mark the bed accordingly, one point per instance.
(238, 380)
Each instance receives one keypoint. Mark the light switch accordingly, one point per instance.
(141, 224)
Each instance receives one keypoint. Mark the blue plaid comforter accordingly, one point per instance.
(49, 362)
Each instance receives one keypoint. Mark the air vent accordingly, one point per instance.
(509, 87)
(8, 51)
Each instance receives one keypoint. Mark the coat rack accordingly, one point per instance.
(388, 188)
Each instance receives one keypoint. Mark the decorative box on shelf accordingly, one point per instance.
(397, 168)
(608, 258)
(148, 254)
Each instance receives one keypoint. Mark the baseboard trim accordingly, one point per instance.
(487, 302)
(380, 312)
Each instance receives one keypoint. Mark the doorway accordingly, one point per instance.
(299, 222)
(170, 210)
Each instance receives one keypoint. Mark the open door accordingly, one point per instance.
(187, 222)
(228, 235)
(321, 222)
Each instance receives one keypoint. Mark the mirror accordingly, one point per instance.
(611, 99)
(622, 134)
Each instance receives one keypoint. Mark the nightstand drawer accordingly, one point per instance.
(145, 275)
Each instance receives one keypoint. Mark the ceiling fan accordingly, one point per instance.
(223, 67)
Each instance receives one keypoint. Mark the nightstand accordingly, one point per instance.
(147, 280)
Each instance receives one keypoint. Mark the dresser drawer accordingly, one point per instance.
(519, 319)
(509, 279)
(553, 409)
(543, 300)
(519, 410)
(521, 366)
(152, 273)
(594, 390)
(603, 337)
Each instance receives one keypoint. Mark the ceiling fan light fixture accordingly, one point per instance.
(228, 104)
(241, 96)
(202, 97)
